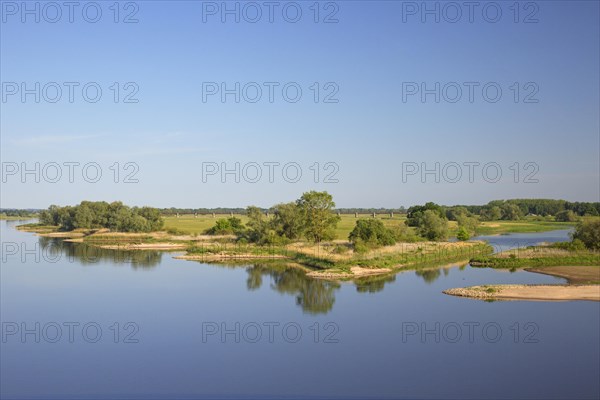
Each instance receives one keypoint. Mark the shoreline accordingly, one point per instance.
(321, 262)
(528, 292)
(573, 274)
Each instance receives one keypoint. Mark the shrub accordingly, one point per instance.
(371, 233)
(176, 232)
(226, 226)
(463, 234)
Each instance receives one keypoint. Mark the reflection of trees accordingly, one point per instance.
(254, 281)
(429, 275)
(313, 295)
(55, 249)
(373, 284)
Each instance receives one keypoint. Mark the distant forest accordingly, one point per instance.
(539, 207)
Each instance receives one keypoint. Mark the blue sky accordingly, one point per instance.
(370, 133)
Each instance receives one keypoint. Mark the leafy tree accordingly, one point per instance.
(469, 224)
(371, 233)
(511, 212)
(287, 220)
(589, 233)
(415, 214)
(453, 213)
(227, 226)
(114, 216)
(433, 226)
(566, 216)
(259, 230)
(84, 217)
(493, 213)
(152, 215)
(316, 210)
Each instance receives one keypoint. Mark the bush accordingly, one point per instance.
(176, 232)
(463, 234)
(227, 226)
(361, 247)
(574, 245)
(371, 233)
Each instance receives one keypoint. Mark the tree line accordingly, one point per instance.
(242, 211)
(518, 208)
(12, 212)
(495, 210)
(99, 214)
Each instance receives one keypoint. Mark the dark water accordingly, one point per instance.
(317, 339)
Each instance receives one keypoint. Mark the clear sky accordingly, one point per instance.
(369, 122)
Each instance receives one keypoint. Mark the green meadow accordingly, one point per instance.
(190, 224)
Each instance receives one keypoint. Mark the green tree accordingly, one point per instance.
(259, 230)
(371, 233)
(589, 233)
(115, 216)
(415, 214)
(316, 210)
(469, 224)
(84, 217)
(493, 213)
(152, 215)
(511, 212)
(566, 216)
(227, 226)
(453, 213)
(287, 220)
(433, 226)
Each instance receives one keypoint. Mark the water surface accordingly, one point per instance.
(357, 340)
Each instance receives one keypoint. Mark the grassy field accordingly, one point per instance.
(523, 226)
(189, 224)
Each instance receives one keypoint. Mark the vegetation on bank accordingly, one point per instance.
(515, 209)
(542, 259)
(582, 250)
(305, 231)
(99, 214)
(192, 224)
(327, 256)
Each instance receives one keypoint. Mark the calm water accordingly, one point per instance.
(356, 340)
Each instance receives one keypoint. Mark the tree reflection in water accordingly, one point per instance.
(373, 284)
(315, 296)
(429, 275)
(54, 250)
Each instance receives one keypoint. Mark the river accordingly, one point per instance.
(85, 323)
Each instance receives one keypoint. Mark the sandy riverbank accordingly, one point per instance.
(575, 275)
(529, 292)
